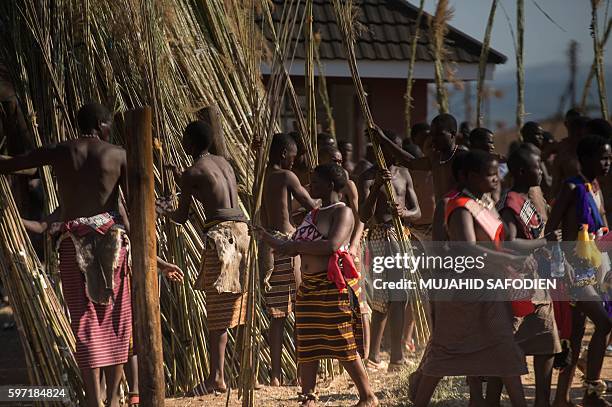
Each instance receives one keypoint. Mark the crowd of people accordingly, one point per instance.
(319, 231)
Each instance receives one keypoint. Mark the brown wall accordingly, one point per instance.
(386, 100)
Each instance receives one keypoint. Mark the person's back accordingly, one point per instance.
(88, 169)
(88, 173)
(281, 185)
(214, 184)
(277, 199)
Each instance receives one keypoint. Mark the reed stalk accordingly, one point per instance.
(323, 93)
(482, 64)
(44, 330)
(409, 81)
(520, 69)
(589, 80)
(439, 29)
(346, 18)
(599, 60)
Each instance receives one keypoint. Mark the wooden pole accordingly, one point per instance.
(141, 204)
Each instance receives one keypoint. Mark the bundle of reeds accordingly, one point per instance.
(587, 85)
(599, 60)
(311, 110)
(482, 64)
(438, 31)
(520, 69)
(176, 56)
(346, 18)
(323, 93)
(409, 82)
(43, 328)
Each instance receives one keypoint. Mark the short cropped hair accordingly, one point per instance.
(200, 135)
(476, 161)
(280, 142)
(90, 115)
(478, 134)
(589, 146)
(446, 122)
(520, 157)
(333, 173)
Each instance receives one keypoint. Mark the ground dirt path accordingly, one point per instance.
(391, 388)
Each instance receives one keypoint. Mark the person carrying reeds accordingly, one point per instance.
(328, 321)
(94, 256)
(377, 213)
(223, 270)
(281, 274)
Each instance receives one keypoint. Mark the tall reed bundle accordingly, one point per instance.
(409, 82)
(43, 328)
(311, 110)
(176, 56)
(282, 41)
(439, 29)
(520, 69)
(587, 84)
(482, 63)
(599, 60)
(323, 94)
(346, 18)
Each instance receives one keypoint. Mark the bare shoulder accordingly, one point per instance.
(192, 172)
(459, 214)
(288, 176)
(405, 172)
(343, 212)
(368, 174)
(118, 151)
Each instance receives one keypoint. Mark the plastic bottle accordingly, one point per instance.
(557, 264)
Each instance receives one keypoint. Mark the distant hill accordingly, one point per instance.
(544, 86)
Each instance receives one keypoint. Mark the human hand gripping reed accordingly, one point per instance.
(171, 271)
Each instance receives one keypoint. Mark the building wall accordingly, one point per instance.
(386, 101)
(386, 98)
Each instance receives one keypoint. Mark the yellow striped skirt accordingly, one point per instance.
(328, 321)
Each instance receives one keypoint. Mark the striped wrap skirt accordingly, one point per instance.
(328, 320)
(223, 310)
(102, 332)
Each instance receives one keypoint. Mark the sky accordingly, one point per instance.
(545, 43)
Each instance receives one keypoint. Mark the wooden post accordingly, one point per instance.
(141, 204)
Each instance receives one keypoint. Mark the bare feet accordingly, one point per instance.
(563, 403)
(594, 400)
(208, 387)
(275, 382)
(371, 401)
(373, 366)
(413, 384)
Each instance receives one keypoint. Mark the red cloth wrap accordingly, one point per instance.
(338, 275)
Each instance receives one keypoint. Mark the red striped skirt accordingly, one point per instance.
(102, 332)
